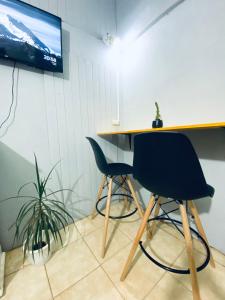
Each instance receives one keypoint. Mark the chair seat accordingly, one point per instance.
(115, 169)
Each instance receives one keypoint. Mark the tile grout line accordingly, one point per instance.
(123, 297)
(48, 281)
(75, 283)
(100, 265)
(149, 292)
(177, 278)
(165, 272)
(82, 235)
(18, 270)
(81, 238)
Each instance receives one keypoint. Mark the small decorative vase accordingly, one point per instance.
(157, 123)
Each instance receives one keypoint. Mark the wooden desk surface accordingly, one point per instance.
(170, 128)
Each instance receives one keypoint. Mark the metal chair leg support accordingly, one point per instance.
(127, 205)
(152, 228)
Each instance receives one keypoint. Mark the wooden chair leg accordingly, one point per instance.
(107, 211)
(140, 210)
(199, 226)
(133, 194)
(190, 254)
(138, 237)
(126, 202)
(100, 189)
(156, 213)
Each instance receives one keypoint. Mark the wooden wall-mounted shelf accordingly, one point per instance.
(169, 128)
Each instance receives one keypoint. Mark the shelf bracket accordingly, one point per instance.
(129, 139)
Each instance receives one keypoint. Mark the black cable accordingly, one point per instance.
(12, 101)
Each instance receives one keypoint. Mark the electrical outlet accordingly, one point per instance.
(116, 122)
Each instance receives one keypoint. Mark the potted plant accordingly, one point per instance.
(40, 220)
(157, 123)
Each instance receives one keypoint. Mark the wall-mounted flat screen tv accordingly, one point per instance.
(30, 35)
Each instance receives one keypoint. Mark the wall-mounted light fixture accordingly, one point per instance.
(111, 40)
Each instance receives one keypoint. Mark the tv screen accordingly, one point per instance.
(30, 35)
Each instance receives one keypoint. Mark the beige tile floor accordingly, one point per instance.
(77, 271)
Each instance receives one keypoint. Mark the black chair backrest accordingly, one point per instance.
(166, 164)
(99, 155)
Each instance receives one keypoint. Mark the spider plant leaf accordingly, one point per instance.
(51, 229)
(23, 186)
(49, 174)
(61, 225)
(61, 190)
(24, 207)
(36, 233)
(37, 170)
(16, 197)
(50, 200)
(24, 212)
(27, 242)
(36, 187)
(49, 221)
(49, 218)
(30, 222)
(63, 217)
(63, 209)
(60, 218)
(57, 231)
(47, 237)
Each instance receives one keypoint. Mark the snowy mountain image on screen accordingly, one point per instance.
(17, 40)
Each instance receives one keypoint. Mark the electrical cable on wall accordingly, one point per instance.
(12, 97)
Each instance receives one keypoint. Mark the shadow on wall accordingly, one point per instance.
(209, 144)
(66, 56)
(14, 172)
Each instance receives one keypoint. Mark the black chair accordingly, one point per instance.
(117, 173)
(166, 164)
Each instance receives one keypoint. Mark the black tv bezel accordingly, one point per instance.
(27, 63)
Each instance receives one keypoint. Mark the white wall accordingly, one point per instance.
(53, 113)
(180, 63)
(133, 16)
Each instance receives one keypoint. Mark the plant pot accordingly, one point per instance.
(40, 256)
(157, 123)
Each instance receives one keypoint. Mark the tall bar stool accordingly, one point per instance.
(117, 173)
(166, 164)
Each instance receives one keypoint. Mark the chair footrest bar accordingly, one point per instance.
(173, 270)
(115, 217)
